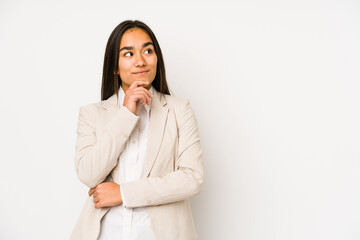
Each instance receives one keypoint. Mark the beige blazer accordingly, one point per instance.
(173, 169)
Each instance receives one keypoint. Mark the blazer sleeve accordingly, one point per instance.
(180, 184)
(97, 150)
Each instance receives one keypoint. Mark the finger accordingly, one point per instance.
(138, 90)
(91, 191)
(137, 83)
(147, 92)
(139, 96)
(98, 203)
(95, 194)
(144, 99)
(144, 92)
(142, 96)
(135, 97)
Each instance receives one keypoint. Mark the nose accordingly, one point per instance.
(140, 61)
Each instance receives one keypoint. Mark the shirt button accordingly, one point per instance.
(133, 141)
(148, 201)
(124, 135)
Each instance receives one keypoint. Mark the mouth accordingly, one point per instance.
(141, 73)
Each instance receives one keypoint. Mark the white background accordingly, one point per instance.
(274, 85)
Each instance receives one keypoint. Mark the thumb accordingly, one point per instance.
(91, 191)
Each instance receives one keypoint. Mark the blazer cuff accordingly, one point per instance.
(122, 196)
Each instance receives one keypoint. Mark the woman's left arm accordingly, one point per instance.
(181, 184)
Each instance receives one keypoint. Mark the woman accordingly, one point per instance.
(138, 150)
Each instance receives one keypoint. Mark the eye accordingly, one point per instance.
(149, 51)
(127, 54)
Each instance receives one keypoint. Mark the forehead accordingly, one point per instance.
(134, 37)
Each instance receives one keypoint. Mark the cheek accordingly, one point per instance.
(124, 68)
(154, 63)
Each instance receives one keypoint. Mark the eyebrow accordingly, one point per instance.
(132, 47)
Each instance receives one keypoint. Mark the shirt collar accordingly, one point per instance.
(122, 96)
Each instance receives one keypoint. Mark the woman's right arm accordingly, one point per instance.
(97, 152)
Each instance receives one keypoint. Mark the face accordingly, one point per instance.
(137, 58)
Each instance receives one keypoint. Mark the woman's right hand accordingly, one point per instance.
(135, 94)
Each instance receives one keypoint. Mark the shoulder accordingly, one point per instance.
(92, 106)
(176, 103)
(180, 107)
(91, 110)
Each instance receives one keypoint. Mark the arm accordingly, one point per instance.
(97, 152)
(181, 184)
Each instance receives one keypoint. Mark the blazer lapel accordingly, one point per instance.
(158, 117)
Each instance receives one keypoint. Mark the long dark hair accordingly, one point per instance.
(112, 81)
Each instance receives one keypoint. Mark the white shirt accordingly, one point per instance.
(122, 223)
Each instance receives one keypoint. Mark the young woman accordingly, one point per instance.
(138, 150)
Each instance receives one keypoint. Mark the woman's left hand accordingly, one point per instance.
(106, 194)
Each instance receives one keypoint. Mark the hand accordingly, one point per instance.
(134, 94)
(106, 194)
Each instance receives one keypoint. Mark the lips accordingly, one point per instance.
(142, 72)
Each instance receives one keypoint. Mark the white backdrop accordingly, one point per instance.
(274, 85)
